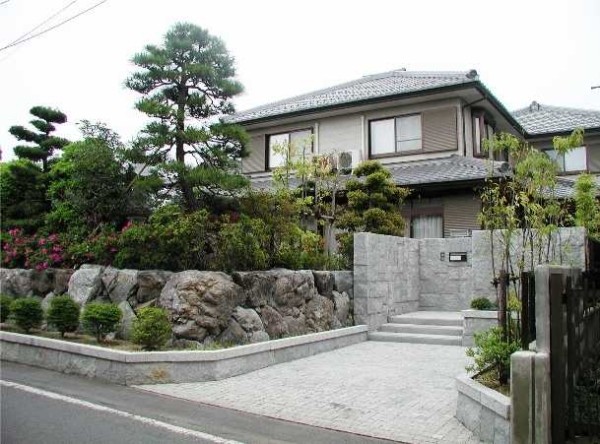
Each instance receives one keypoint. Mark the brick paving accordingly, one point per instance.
(398, 391)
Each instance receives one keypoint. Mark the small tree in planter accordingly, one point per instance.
(63, 314)
(100, 319)
(152, 328)
(27, 313)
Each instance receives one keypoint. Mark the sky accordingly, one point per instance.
(523, 50)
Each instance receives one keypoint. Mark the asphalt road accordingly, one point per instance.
(41, 406)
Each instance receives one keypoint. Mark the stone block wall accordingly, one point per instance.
(386, 277)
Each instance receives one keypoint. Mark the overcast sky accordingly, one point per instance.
(523, 50)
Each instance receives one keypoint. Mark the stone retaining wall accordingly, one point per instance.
(131, 368)
(483, 411)
(477, 321)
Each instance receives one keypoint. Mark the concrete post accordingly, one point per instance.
(522, 397)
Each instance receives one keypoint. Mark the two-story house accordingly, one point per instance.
(426, 127)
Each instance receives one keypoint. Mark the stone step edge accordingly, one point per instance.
(415, 338)
(425, 321)
(430, 329)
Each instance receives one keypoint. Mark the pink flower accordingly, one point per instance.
(53, 237)
(42, 241)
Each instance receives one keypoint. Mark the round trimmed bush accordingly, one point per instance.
(100, 319)
(482, 304)
(27, 313)
(63, 314)
(5, 302)
(152, 328)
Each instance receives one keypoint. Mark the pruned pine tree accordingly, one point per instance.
(42, 143)
(187, 83)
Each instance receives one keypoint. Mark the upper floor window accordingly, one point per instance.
(292, 145)
(573, 161)
(400, 135)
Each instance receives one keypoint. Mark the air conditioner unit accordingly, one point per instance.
(346, 161)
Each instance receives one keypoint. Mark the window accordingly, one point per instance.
(427, 226)
(574, 160)
(295, 144)
(396, 135)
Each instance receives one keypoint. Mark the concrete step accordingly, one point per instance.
(448, 330)
(415, 338)
(429, 318)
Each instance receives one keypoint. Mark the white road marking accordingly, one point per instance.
(101, 408)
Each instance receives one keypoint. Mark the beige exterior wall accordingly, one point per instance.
(442, 132)
(592, 144)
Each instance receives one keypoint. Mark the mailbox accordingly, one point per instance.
(457, 257)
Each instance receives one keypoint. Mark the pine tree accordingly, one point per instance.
(44, 143)
(187, 83)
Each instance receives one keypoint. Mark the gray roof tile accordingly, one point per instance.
(542, 119)
(369, 87)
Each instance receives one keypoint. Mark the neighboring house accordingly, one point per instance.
(427, 128)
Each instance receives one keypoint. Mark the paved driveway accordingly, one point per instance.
(402, 392)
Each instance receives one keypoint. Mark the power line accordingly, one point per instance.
(43, 23)
(52, 27)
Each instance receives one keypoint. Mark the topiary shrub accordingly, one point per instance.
(152, 328)
(63, 314)
(5, 302)
(27, 313)
(100, 319)
(482, 304)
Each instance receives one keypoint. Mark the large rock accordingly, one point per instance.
(86, 284)
(16, 282)
(293, 288)
(233, 334)
(344, 282)
(62, 276)
(124, 330)
(341, 302)
(199, 302)
(42, 281)
(47, 300)
(120, 285)
(324, 281)
(259, 286)
(248, 319)
(150, 284)
(296, 325)
(319, 314)
(274, 323)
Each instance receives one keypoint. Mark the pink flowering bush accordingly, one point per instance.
(36, 251)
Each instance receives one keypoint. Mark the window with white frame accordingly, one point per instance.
(427, 226)
(396, 135)
(293, 145)
(573, 161)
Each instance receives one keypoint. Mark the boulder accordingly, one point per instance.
(274, 323)
(296, 325)
(86, 284)
(124, 330)
(46, 301)
(16, 282)
(344, 282)
(150, 303)
(119, 285)
(259, 286)
(233, 334)
(324, 281)
(248, 319)
(319, 314)
(62, 276)
(341, 302)
(150, 283)
(199, 302)
(293, 288)
(258, 336)
(42, 281)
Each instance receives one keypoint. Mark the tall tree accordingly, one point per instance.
(187, 83)
(44, 143)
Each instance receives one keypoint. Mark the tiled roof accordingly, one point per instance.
(542, 119)
(448, 169)
(565, 187)
(369, 87)
(424, 172)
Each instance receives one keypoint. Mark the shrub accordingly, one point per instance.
(31, 251)
(63, 314)
(5, 302)
(152, 328)
(491, 352)
(242, 245)
(100, 319)
(482, 304)
(27, 313)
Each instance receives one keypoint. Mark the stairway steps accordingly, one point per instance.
(444, 330)
(415, 338)
(426, 319)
